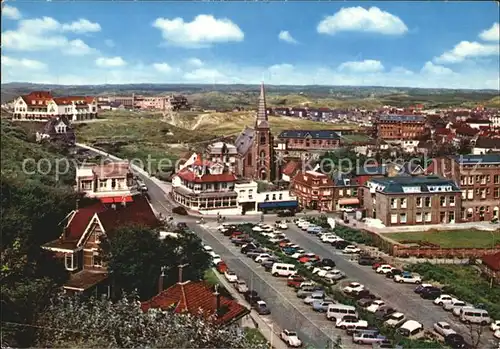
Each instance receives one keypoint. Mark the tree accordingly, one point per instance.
(136, 255)
(72, 322)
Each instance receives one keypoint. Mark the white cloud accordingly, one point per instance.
(359, 19)
(46, 34)
(285, 36)
(206, 75)
(11, 12)
(22, 63)
(492, 34)
(81, 26)
(203, 31)
(366, 66)
(434, 69)
(110, 62)
(465, 50)
(109, 43)
(163, 67)
(195, 62)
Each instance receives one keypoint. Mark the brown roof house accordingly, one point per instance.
(197, 298)
(57, 129)
(79, 243)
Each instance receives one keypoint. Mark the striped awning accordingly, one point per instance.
(116, 199)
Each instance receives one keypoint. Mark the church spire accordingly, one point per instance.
(261, 121)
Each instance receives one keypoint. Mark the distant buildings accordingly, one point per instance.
(397, 127)
(42, 106)
(141, 102)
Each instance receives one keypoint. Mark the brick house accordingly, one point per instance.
(398, 127)
(314, 190)
(345, 192)
(78, 245)
(479, 178)
(310, 139)
(193, 297)
(408, 200)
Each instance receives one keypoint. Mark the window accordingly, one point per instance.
(394, 203)
(428, 216)
(250, 193)
(451, 217)
(471, 180)
(442, 201)
(86, 185)
(280, 197)
(442, 217)
(496, 179)
(341, 192)
(419, 202)
(418, 217)
(496, 193)
(402, 218)
(249, 159)
(452, 200)
(102, 183)
(427, 201)
(470, 194)
(394, 218)
(267, 197)
(262, 158)
(263, 139)
(113, 183)
(483, 193)
(463, 180)
(274, 197)
(402, 203)
(69, 261)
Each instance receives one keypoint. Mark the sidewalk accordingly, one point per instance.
(269, 331)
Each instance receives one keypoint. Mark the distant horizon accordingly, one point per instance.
(248, 85)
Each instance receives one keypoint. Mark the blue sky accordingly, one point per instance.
(416, 44)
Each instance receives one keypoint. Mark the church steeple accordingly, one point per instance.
(261, 122)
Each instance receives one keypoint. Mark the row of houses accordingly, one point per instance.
(140, 102)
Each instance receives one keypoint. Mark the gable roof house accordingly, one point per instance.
(195, 298)
(57, 129)
(79, 244)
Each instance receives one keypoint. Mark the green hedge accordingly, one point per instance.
(337, 294)
(465, 282)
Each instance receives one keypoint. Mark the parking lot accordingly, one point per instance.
(286, 309)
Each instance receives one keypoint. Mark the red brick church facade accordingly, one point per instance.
(255, 146)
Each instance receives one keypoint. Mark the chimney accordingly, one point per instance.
(217, 301)
(181, 267)
(161, 280)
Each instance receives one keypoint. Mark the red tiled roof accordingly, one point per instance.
(195, 296)
(492, 261)
(81, 220)
(290, 168)
(190, 176)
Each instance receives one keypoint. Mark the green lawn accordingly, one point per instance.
(452, 238)
(210, 277)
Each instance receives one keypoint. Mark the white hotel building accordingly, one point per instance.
(41, 106)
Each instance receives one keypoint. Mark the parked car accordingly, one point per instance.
(352, 249)
(384, 312)
(395, 320)
(322, 305)
(341, 244)
(262, 308)
(251, 296)
(372, 308)
(231, 276)
(408, 278)
(180, 211)
(443, 328)
(216, 259)
(351, 322)
(295, 281)
(306, 291)
(384, 269)
(366, 260)
(290, 338)
(364, 302)
(455, 341)
(393, 273)
(262, 257)
(430, 293)
(334, 275)
(241, 286)
(286, 213)
(315, 296)
(495, 325)
(453, 304)
(422, 287)
(367, 337)
(221, 267)
(496, 334)
(444, 298)
(364, 293)
(281, 225)
(353, 286)
(386, 344)
(249, 247)
(326, 262)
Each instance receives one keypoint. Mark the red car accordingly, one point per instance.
(295, 281)
(222, 267)
(236, 233)
(308, 257)
(378, 264)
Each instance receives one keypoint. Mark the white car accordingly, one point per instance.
(290, 338)
(322, 271)
(496, 334)
(262, 257)
(216, 259)
(207, 248)
(231, 276)
(495, 325)
(351, 322)
(353, 287)
(443, 328)
(456, 311)
(281, 225)
(408, 278)
(375, 306)
(352, 249)
(384, 269)
(454, 304)
(444, 298)
(241, 286)
(297, 255)
(395, 319)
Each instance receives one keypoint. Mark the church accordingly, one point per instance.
(255, 146)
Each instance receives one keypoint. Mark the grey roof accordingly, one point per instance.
(343, 179)
(478, 159)
(245, 140)
(405, 184)
(402, 118)
(488, 143)
(313, 134)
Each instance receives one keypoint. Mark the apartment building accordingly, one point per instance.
(309, 139)
(314, 190)
(42, 106)
(412, 200)
(479, 178)
(397, 127)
